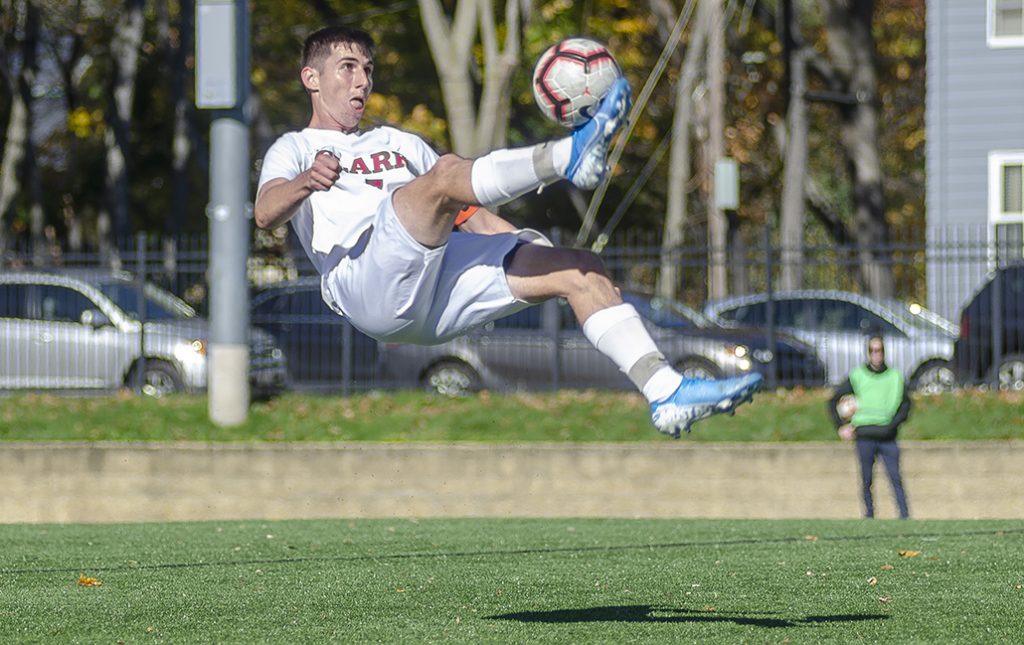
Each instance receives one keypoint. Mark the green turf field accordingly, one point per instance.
(514, 581)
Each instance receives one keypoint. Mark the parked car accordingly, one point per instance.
(795, 362)
(975, 348)
(837, 323)
(324, 350)
(80, 330)
(543, 346)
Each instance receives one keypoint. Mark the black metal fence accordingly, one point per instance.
(811, 337)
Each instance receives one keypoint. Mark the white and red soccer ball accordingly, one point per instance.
(571, 77)
(846, 407)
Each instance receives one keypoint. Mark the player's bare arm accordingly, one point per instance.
(278, 199)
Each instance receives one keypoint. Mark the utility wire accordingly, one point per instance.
(602, 239)
(641, 104)
(652, 163)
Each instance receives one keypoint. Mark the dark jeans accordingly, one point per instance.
(890, 453)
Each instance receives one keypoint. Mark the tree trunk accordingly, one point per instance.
(852, 50)
(492, 122)
(474, 129)
(674, 231)
(68, 58)
(181, 148)
(16, 139)
(792, 224)
(450, 45)
(124, 52)
(718, 286)
(18, 160)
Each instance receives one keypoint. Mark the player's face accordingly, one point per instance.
(339, 88)
(876, 354)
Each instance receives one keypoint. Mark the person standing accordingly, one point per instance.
(882, 404)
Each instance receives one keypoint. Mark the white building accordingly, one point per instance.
(975, 147)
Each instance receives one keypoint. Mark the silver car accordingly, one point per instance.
(544, 347)
(837, 324)
(81, 331)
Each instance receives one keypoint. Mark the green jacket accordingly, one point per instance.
(882, 402)
(879, 395)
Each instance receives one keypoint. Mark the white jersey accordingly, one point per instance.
(374, 163)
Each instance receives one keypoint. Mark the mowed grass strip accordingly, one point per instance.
(567, 415)
(521, 581)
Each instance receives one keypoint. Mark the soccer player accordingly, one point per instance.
(375, 210)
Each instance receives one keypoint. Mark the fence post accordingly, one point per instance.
(346, 358)
(773, 365)
(140, 285)
(553, 310)
(997, 325)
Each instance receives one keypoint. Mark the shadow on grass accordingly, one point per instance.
(653, 614)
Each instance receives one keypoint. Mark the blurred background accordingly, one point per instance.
(868, 153)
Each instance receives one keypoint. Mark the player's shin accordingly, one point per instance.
(619, 333)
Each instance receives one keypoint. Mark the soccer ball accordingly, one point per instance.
(571, 77)
(846, 407)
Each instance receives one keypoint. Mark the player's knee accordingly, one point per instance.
(446, 164)
(589, 263)
(591, 272)
(447, 170)
(445, 175)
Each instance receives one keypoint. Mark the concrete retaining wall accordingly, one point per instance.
(111, 482)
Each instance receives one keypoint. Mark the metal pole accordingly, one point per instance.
(140, 285)
(997, 325)
(773, 365)
(347, 338)
(223, 84)
(552, 320)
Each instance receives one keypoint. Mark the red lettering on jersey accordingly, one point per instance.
(380, 161)
(376, 183)
(400, 161)
(359, 166)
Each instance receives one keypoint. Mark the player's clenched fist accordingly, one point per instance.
(325, 170)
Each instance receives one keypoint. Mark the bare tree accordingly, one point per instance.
(851, 48)
(176, 51)
(795, 152)
(67, 53)
(124, 59)
(851, 84)
(473, 128)
(673, 232)
(714, 147)
(18, 159)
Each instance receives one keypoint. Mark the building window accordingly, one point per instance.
(1006, 23)
(1006, 186)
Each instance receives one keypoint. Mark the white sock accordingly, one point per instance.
(502, 175)
(561, 151)
(662, 384)
(619, 333)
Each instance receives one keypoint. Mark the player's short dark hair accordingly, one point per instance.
(320, 43)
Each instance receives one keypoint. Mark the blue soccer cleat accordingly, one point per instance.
(696, 399)
(588, 161)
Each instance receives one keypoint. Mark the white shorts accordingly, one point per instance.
(394, 289)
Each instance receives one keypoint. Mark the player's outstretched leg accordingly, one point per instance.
(590, 141)
(697, 399)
